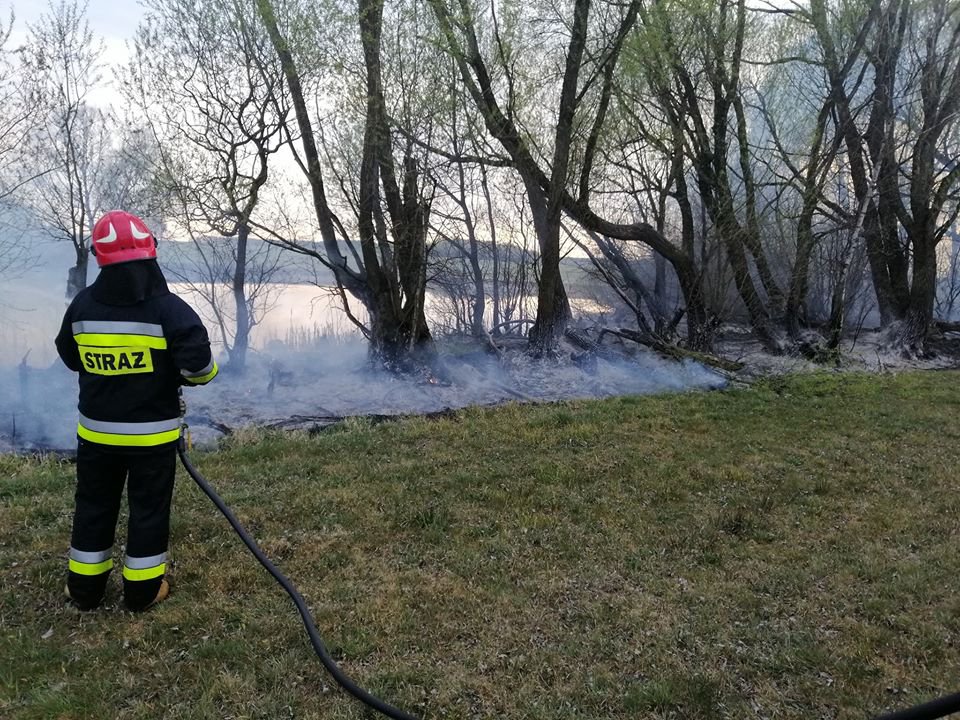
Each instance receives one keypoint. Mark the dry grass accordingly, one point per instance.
(787, 551)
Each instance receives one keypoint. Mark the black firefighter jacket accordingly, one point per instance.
(134, 343)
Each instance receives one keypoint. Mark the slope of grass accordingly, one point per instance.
(787, 551)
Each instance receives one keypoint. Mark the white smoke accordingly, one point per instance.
(309, 380)
(313, 387)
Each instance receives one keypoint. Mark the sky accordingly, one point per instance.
(113, 21)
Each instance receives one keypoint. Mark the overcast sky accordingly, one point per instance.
(114, 21)
(108, 17)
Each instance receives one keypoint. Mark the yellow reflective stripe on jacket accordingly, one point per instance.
(202, 377)
(82, 568)
(120, 340)
(129, 434)
(120, 440)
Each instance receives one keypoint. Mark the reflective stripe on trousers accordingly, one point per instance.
(129, 434)
(83, 562)
(144, 568)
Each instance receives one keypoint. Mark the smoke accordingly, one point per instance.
(305, 376)
(38, 408)
(332, 379)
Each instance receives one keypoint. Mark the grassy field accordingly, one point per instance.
(791, 550)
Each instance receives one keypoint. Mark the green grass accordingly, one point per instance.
(791, 550)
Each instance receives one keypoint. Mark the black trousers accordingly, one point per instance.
(102, 471)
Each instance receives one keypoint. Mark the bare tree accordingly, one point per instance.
(71, 139)
(802, 147)
(935, 38)
(464, 222)
(388, 274)
(217, 106)
(208, 267)
(17, 116)
(696, 68)
(590, 95)
(468, 267)
(911, 109)
(459, 27)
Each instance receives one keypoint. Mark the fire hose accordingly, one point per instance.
(309, 623)
(939, 708)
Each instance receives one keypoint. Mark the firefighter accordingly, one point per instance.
(134, 344)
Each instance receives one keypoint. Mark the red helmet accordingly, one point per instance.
(120, 237)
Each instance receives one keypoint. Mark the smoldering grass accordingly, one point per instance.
(781, 551)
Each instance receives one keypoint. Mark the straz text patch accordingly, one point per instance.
(116, 360)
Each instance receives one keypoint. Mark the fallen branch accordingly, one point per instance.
(674, 352)
(210, 422)
(491, 346)
(515, 393)
(584, 342)
(302, 419)
(506, 324)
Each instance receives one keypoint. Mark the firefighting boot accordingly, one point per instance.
(162, 594)
(82, 603)
(137, 601)
(86, 591)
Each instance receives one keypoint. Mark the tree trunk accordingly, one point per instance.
(660, 288)
(473, 259)
(731, 235)
(699, 330)
(814, 179)
(241, 338)
(918, 320)
(799, 277)
(77, 275)
(495, 251)
(699, 326)
(838, 306)
(553, 307)
(400, 338)
(410, 228)
(479, 294)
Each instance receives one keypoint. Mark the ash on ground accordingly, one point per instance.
(865, 351)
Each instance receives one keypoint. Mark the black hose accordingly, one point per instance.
(308, 622)
(941, 707)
